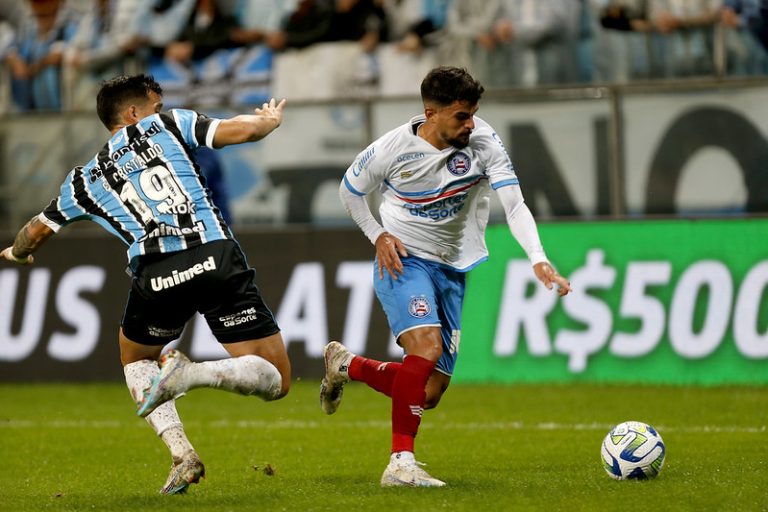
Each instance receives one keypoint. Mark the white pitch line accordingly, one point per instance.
(376, 424)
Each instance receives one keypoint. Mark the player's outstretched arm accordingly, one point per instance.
(523, 228)
(250, 127)
(28, 240)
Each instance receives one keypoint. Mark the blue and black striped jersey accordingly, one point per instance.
(145, 188)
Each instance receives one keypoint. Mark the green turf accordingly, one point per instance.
(67, 447)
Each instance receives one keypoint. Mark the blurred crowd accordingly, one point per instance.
(54, 52)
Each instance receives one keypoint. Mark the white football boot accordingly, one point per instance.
(337, 359)
(167, 385)
(189, 471)
(406, 472)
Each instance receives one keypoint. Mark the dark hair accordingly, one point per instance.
(446, 84)
(116, 92)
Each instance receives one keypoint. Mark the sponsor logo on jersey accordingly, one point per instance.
(154, 129)
(177, 277)
(409, 157)
(164, 229)
(177, 209)
(406, 174)
(419, 307)
(459, 164)
(440, 209)
(363, 161)
(241, 317)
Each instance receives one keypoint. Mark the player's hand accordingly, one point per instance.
(272, 111)
(549, 276)
(7, 254)
(389, 248)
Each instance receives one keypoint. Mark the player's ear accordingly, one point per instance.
(131, 114)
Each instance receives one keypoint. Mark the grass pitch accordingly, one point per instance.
(80, 447)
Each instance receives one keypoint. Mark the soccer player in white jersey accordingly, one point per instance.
(435, 173)
(144, 187)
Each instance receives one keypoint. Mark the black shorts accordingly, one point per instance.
(213, 279)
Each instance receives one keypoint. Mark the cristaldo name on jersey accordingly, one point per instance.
(97, 172)
(437, 210)
(140, 161)
(177, 277)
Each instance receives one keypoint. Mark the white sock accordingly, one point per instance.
(247, 375)
(402, 457)
(164, 420)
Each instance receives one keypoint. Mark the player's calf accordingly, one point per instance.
(246, 375)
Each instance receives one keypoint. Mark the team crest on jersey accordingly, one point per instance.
(419, 307)
(459, 164)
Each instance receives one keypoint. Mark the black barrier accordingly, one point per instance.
(59, 318)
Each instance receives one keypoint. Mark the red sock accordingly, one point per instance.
(408, 394)
(376, 374)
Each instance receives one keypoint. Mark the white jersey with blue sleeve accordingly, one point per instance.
(145, 187)
(435, 201)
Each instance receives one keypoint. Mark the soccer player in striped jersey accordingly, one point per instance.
(145, 188)
(435, 174)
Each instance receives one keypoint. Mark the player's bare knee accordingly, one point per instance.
(426, 343)
(431, 351)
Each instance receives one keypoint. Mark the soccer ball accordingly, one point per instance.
(633, 450)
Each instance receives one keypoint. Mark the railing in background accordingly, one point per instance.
(685, 147)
